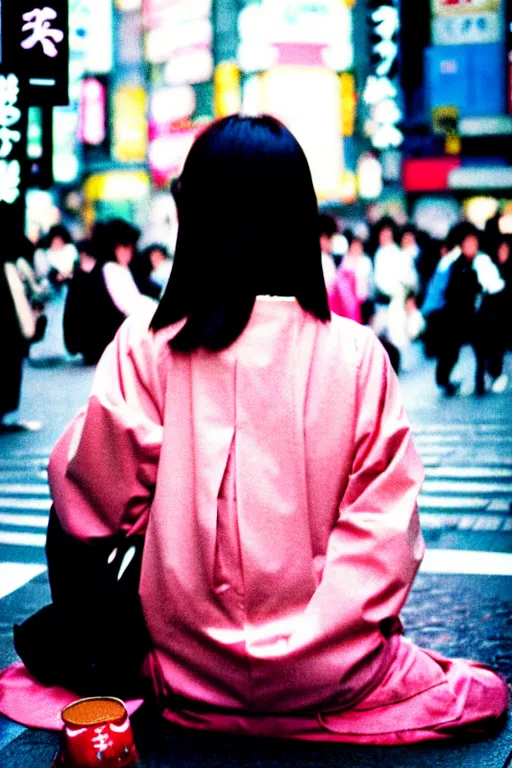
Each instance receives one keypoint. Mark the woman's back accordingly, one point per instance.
(247, 461)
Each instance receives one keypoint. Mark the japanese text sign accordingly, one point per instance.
(381, 94)
(35, 45)
(13, 126)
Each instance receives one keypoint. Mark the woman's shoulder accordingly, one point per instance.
(137, 332)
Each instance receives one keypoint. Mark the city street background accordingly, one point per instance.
(404, 111)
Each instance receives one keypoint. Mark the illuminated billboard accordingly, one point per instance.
(308, 101)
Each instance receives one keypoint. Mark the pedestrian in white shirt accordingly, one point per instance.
(396, 281)
(120, 241)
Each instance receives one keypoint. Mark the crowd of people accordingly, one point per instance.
(400, 282)
(447, 294)
(62, 298)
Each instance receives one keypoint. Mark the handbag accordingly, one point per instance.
(92, 638)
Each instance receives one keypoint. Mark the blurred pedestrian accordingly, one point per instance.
(418, 256)
(435, 295)
(339, 284)
(397, 283)
(263, 448)
(327, 229)
(497, 314)
(90, 317)
(468, 315)
(103, 290)
(118, 247)
(503, 260)
(19, 328)
(360, 265)
(152, 269)
(54, 261)
(55, 257)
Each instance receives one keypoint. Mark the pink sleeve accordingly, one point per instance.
(102, 471)
(376, 545)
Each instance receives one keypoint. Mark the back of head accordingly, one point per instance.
(57, 232)
(459, 232)
(108, 235)
(247, 226)
(327, 225)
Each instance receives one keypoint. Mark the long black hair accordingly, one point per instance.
(248, 225)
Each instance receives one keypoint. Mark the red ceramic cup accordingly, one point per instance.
(97, 732)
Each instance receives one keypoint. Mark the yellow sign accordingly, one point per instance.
(130, 124)
(227, 89)
(348, 103)
(117, 185)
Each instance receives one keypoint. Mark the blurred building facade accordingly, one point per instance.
(399, 106)
(456, 65)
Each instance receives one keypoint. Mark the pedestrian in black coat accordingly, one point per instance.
(91, 319)
(469, 316)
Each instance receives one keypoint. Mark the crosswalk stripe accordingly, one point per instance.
(466, 487)
(23, 462)
(29, 521)
(24, 489)
(15, 575)
(40, 505)
(23, 538)
(471, 473)
(467, 562)
(455, 502)
(13, 476)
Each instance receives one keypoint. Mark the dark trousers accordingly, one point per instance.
(482, 332)
(449, 356)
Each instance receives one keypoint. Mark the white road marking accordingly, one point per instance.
(23, 539)
(456, 503)
(470, 473)
(15, 575)
(39, 505)
(467, 562)
(24, 489)
(28, 521)
(465, 486)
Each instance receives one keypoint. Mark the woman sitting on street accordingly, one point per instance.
(263, 449)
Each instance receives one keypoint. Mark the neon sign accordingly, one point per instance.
(380, 93)
(35, 45)
(13, 127)
(38, 22)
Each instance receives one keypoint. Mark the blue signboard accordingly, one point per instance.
(469, 77)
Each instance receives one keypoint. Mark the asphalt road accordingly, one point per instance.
(460, 603)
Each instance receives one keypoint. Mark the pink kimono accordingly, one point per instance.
(277, 483)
